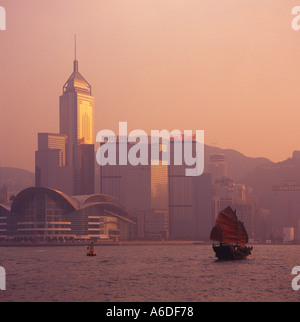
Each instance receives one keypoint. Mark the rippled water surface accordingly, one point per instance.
(147, 274)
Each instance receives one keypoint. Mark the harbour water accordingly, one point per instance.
(144, 273)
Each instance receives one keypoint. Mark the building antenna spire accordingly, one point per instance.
(75, 48)
(75, 61)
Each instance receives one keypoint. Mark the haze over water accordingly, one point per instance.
(148, 274)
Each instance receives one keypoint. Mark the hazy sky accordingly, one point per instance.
(229, 67)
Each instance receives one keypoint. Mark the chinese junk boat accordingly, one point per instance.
(232, 236)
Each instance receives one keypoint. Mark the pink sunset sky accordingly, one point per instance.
(230, 68)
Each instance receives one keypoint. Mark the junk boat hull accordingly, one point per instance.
(91, 254)
(231, 252)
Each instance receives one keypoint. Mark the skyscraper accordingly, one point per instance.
(71, 168)
(166, 202)
(143, 191)
(51, 170)
(190, 202)
(77, 123)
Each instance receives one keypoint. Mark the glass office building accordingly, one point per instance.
(143, 191)
(66, 161)
(166, 203)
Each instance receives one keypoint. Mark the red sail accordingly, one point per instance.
(229, 229)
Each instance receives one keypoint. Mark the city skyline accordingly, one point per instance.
(157, 160)
(149, 59)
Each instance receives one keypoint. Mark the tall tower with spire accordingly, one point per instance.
(75, 175)
(77, 123)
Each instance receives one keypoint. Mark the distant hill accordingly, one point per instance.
(16, 179)
(264, 177)
(239, 166)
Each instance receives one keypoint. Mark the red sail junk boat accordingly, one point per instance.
(232, 236)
